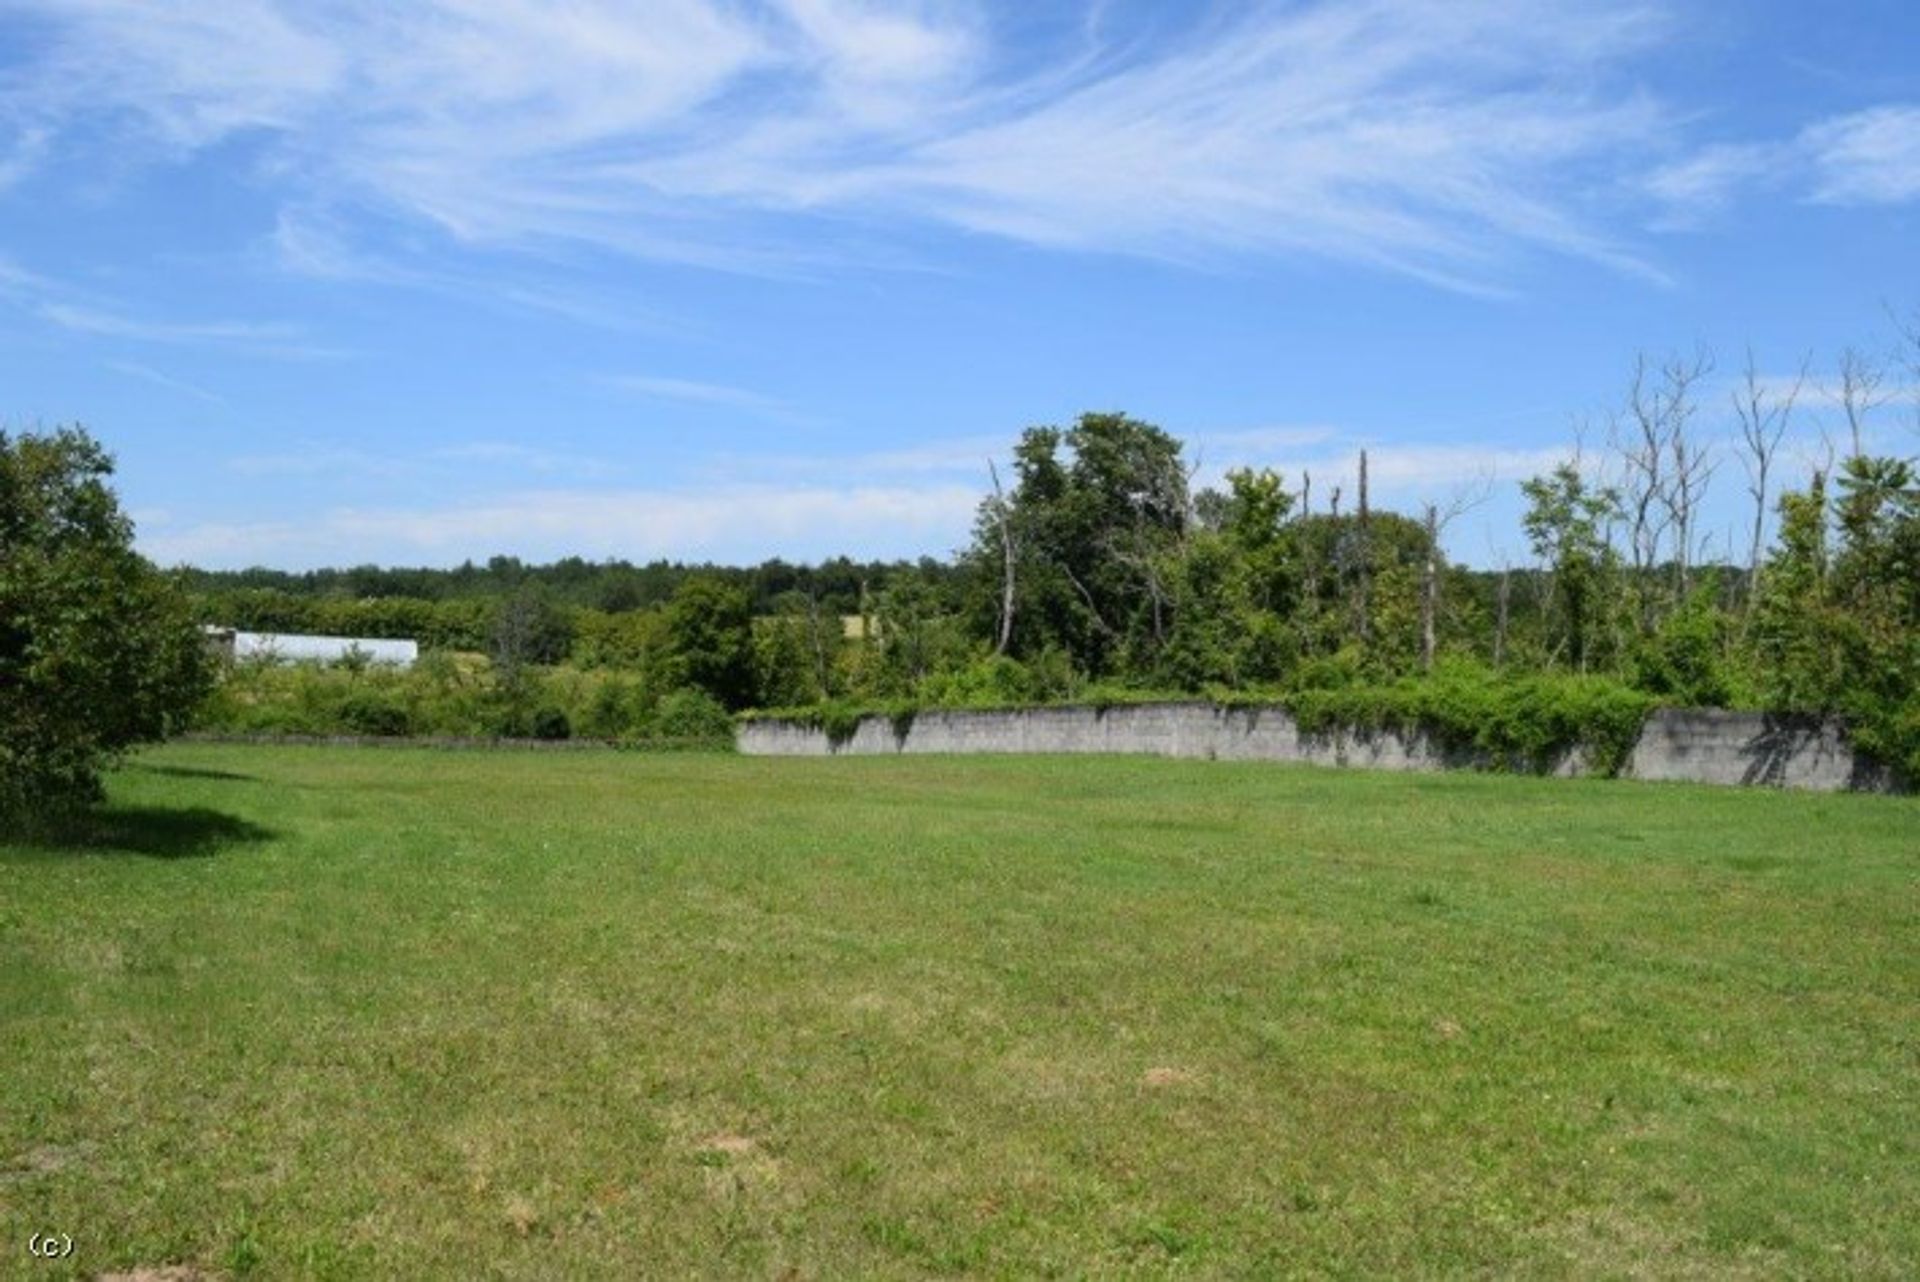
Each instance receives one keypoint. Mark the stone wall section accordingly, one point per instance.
(1696, 746)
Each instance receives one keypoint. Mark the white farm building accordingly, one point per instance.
(288, 647)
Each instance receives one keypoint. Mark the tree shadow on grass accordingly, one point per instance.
(161, 832)
(193, 772)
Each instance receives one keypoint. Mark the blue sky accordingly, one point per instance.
(345, 281)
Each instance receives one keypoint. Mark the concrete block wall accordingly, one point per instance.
(1693, 746)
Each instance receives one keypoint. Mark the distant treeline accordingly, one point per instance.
(839, 584)
(1099, 571)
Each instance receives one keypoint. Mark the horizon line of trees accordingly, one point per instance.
(1098, 562)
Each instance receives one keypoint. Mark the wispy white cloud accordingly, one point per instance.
(1693, 189)
(1869, 158)
(1398, 472)
(317, 244)
(737, 523)
(90, 320)
(262, 339)
(700, 393)
(17, 284)
(441, 464)
(21, 154)
(1427, 137)
(960, 456)
(526, 458)
(147, 373)
(1245, 442)
(320, 460)
(1863, 158)
(80, 312)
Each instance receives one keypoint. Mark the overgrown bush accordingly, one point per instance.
(1683, 662)
(692, 715)
(551, 723)
(1521, 723)
(371, 712)
(457, 697)
(98, 650)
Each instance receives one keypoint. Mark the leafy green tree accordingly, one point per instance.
(917, 632)
(98, 649)
(530, 628)
(1095, 513)
(1238, 582)
(1330, 555)
(1799, 637)
(710, 640)
(1684, 659)
(1878, 569)
(1566, 521)
(787, 671)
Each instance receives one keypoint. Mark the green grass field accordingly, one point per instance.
(401, 1013)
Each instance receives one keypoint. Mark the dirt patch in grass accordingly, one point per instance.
(42, 1159)
(1162, 1076)
(733, 1145)
(522, 1215)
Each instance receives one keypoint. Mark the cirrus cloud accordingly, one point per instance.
(1425, 137)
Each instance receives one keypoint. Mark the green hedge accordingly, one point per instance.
(1512, 723)
(463, 699)
(1524, 723)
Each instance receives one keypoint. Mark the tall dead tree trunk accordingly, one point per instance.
(1004, 520)
(1861, 379)
(1430, 590)
(1500, 622)
(1763, 417)
(1365, 581)
(823, 670)
(1666, 472)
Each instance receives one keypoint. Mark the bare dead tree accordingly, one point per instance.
(1666, 468)
(1093, 610)
(1437, 520)
(1908, 328)
(1158, 595)
(1729, 589)
(1500, 620)
(1862, 390)
(1691, 473)
(1364, 581)
(1430, 590)
(1004, 520)
(1306, 492)
(1763, 413)
(823, 669)
(1172, 492)
(1639, 437)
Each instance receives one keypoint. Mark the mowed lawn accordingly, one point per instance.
(404, 1013)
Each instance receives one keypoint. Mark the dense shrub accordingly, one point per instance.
(551, 723)
(1683, 662)
(372, 712)
(989, 681)
(692, 715)
(1522, 723)
(454, 697)
(709, 631)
